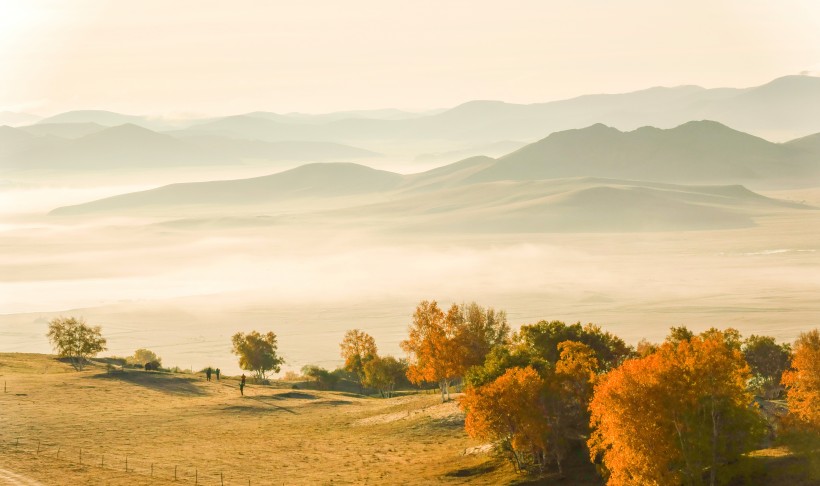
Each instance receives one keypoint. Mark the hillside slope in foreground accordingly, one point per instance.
(135, 427)
(272, 435)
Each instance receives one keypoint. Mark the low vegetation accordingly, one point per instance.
(695, 409)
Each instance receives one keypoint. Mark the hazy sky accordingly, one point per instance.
(210, 57)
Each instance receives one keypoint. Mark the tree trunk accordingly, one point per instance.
(558, 461)
(713, 469)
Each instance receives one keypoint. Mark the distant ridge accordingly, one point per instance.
(695, 152)
(308, 181)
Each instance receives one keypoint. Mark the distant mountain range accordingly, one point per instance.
(782, 109)
(597, 178)
(87, 146)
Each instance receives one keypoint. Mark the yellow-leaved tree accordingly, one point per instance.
(434, 348)
(510, 410)
(668, 417)
(357, 349)
(801, 429)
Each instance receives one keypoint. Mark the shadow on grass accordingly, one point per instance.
(253, 410)
(334, 403)
(467, 472)
(293, 395)
(785, 470)
(163, 382)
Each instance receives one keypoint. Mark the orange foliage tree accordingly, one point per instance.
(802, 382)
(510, 410)
(436, 353)
(534, 415)
(801, 427)
(668, 417)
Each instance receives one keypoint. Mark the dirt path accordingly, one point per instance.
(10, 478)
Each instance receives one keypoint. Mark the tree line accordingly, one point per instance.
(675, 412)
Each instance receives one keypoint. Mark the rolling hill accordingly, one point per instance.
(319, 180)
(695, 152)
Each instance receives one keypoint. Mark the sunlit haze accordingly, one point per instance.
(189, 57)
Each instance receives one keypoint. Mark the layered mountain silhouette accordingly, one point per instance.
(695, 152)
(780, 110)
(90, 146)
(594, 179)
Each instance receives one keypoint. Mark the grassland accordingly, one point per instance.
(272, 435)
(58, 426)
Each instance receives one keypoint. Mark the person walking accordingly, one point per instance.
(242, 385)
(217, 374)
(208, 373)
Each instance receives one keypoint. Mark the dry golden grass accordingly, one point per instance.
(58, 426)
(272, 435)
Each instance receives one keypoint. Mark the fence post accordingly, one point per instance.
(102, 461)
(221, 479)
(126, 463)
(17, 442)
(58, 452)
(152, 469)
(81, 455)
(196, 476)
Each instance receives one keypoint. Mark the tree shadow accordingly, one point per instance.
(334, 403)
(163, 382)
(478, 470)
(248, 409)
(291, 395)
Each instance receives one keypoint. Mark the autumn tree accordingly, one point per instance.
(802, 381)
(509, 410)
(357, 348)
(435, 352)
(555, 418)
(801, 431)
(384, 373)
(257, 353)
(72, 338)
(767, 360)
(668, 417)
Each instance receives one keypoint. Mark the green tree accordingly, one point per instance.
(542, 339)
(323, 378)
(72, 338)
(383, 374)
(480, 330)
(257, 353)
(768, 360)
(679, 334)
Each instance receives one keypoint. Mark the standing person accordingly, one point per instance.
(217, 374)
(242, 385)
(208, 373)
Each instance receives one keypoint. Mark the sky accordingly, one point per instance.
(203, 58)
